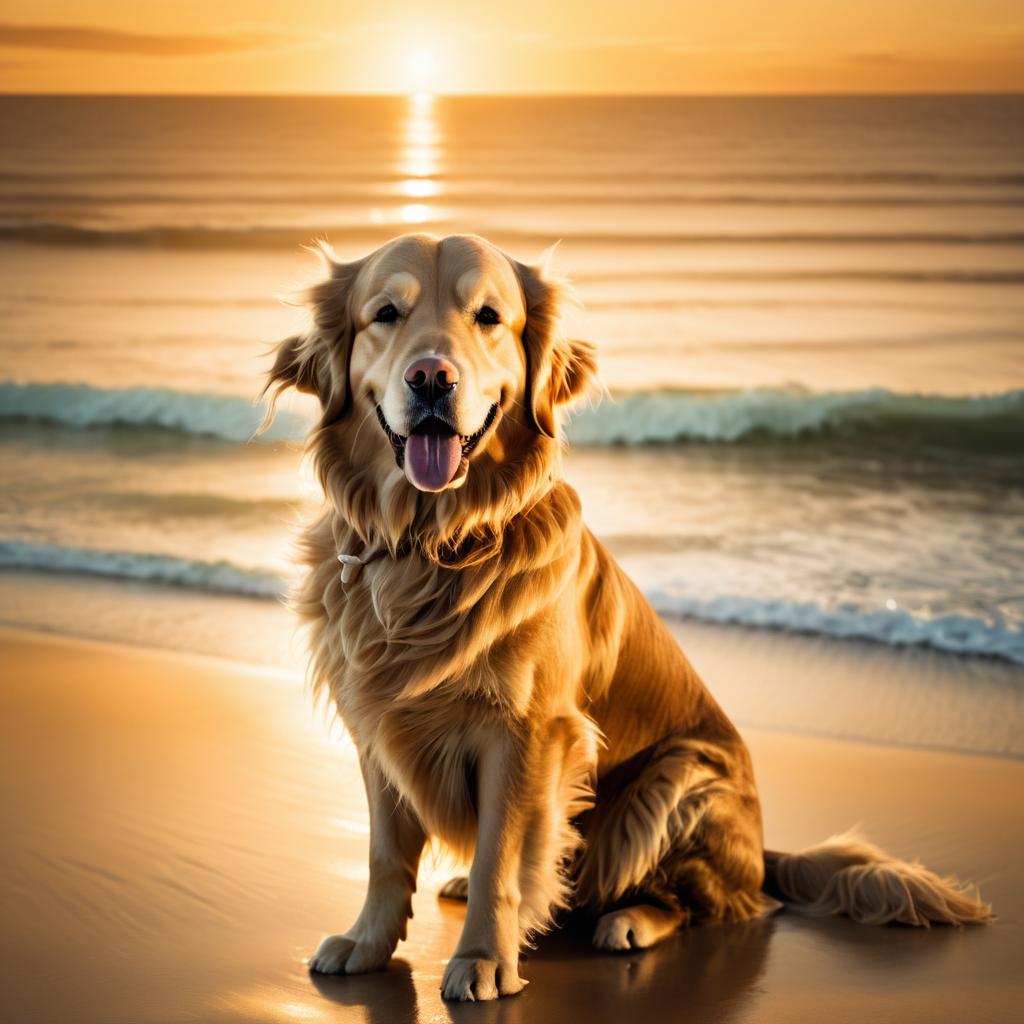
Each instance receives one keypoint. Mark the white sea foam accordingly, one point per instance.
(897, 627)
(959, 634)
(214, 577)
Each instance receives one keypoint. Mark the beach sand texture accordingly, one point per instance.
(181, 831)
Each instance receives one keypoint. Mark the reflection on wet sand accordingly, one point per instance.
(711, 972)
(388, 996)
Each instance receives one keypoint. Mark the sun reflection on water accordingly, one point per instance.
(419, 188)
(415, 213)
(419, 158)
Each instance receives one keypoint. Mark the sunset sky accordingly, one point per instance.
(449, 46)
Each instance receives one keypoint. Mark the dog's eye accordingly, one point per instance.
(386, 314)
(487, 316)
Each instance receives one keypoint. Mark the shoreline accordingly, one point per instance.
(857, 690)
(184, 830)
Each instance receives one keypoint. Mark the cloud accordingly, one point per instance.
(894, 57)
(105, 40)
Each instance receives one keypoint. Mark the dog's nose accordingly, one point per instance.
(430, 377)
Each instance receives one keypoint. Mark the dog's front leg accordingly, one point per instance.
(396, 842)
(486, 960)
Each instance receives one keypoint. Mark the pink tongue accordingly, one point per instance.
(431, 461)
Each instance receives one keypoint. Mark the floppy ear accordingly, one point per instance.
(300, 364)
(317, 362)
(558, 369)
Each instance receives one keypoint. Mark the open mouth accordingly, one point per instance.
(434, 455)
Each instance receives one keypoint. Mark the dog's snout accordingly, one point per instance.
(430, 377)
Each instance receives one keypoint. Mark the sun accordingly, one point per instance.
(422, 71)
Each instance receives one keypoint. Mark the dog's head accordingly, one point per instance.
(440, 359)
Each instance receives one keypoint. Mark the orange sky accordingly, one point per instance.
(682, 46)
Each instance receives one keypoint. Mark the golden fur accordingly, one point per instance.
(509, 690)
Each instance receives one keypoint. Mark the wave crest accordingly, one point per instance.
(991, 423)
(78, 405)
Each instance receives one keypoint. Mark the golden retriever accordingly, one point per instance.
(509, 690)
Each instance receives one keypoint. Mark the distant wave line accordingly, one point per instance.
(508, 196)
(386, 174)
(866, 276)
(201, 236)
(852, 275)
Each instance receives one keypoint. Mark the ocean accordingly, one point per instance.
(809, 314)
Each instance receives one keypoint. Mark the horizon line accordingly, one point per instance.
(531, 94)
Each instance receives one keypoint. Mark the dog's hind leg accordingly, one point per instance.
(637, 926)
(456, 888)
(675, 837)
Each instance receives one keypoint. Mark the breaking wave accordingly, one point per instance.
(993, 423)
(227, 417)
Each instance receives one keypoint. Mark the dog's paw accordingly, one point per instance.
(342, 954)
(624, 929)
(456, 888)
(468, 979)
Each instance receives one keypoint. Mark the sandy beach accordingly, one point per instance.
(181, 831)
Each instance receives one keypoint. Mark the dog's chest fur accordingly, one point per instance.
(424, 728)
(424, 662)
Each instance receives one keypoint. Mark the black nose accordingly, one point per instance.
(430, 377)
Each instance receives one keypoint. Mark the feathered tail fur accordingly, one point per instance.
(846, 875)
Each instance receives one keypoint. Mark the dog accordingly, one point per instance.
(509, 690)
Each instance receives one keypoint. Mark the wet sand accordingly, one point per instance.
(181, 831)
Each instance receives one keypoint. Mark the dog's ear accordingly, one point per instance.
(317, 362)
(558, 369)
(299, 363)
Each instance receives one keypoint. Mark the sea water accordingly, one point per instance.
(809, 315)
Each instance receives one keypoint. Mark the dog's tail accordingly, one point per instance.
(846, 875)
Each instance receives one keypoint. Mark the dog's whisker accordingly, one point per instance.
(362, 423)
